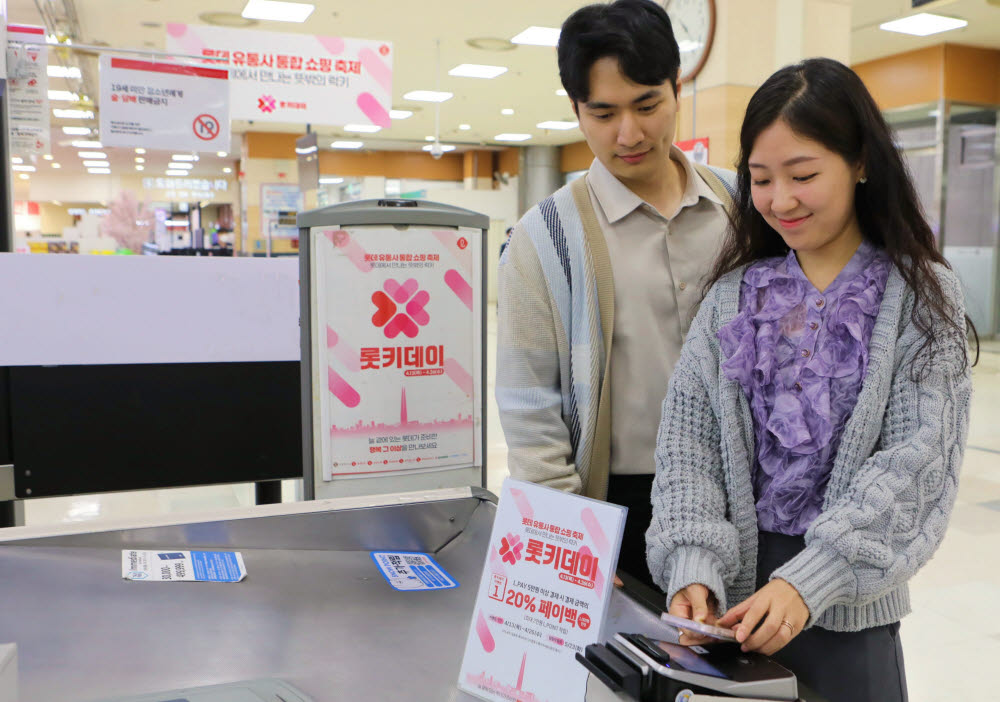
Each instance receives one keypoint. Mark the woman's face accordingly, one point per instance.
(803, 190)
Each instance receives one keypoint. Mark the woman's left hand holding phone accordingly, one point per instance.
(694, 602)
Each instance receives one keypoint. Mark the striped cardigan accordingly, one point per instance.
(555, 315)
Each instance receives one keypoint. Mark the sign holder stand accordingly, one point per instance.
(400, 215)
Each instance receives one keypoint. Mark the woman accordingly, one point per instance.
(812, 434)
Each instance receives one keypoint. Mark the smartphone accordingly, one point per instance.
(689, 625)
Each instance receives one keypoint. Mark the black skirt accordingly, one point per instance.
(861, 666)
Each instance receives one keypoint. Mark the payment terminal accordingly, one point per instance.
(638, 668)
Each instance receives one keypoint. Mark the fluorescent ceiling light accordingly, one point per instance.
(512, 137)
(429, 138)
(184, 157)
(63, 95)
(23, 176)
(347, 144)
(444, 147)
(48, 157)
(363, 128)
(465, 127)
(227, 169)
(180, 166)
(140, 150)
(561, 93)
(27, 169)
(277, 11)
(428, 96)
(555, 124)
(92, 154)
(16, 159)
(923, 24)
(176, 223)
(330, 181)
(477, 70)
(140, 159)
(72, 114)
(139, 167)
(538, 36)
(400, 114)
(221, 154)
(56, 165)
(86, 144)
(55, 71)
(96, 164)
(506, 111)
(177, 173)
(76, 131)
(99, 171)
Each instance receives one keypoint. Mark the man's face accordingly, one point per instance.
(628, 126)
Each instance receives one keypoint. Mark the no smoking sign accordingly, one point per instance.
(206, 127)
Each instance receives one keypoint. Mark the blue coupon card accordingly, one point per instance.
(406, 571)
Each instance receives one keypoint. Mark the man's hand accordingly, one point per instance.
(779, 611)
(694, 602)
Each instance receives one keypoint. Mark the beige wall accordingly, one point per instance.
(945, 71)
(55, 218)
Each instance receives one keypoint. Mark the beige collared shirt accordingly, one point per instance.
(659, 265)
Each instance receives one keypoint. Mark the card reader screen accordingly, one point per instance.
(689, 659)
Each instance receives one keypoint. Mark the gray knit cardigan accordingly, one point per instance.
(891, 489)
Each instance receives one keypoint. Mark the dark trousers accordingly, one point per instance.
(633, 491)
(857, 666)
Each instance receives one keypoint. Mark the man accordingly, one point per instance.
(600, 280)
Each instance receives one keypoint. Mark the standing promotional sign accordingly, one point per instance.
(544, 595)
(279, 203)
(278, 77)
(396, 372)
(159, 105)
(28, 90)
(3, 54)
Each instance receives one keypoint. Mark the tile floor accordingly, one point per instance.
(952, 639)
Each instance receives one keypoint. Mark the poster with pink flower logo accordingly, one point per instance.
(397, 369)
(284, 77)
(543, 596)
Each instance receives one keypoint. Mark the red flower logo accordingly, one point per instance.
(510, 548)
(387, 304)
(266, 103)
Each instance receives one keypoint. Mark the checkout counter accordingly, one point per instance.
(314, 620)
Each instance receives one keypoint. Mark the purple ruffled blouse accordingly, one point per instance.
(800, 356)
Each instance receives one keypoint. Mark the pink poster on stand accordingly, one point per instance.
(395, 367)
(543, 597)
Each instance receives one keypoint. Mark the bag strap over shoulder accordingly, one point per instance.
(596, 483)
(715, 182)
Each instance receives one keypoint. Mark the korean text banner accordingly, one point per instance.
(278, 77)
(160, 105)
(394, 369)
(27, 96)
(544, 595)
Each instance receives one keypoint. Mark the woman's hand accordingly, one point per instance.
(694, 602)
(779, 611)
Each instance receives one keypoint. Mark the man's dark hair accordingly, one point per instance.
(636, 32)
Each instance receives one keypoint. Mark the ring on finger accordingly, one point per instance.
(785, 622)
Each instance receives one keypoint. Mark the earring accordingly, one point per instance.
(862, 180)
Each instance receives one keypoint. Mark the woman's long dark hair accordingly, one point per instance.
(823, 100)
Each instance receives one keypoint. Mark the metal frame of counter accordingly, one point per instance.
(313, 611)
